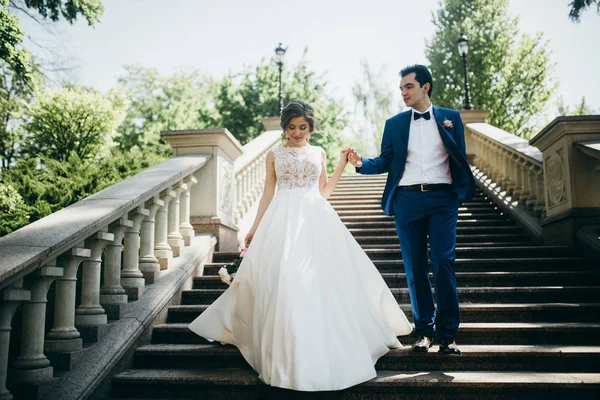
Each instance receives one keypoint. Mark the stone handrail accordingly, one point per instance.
(513, 167)
(132, 229)
(250, 170)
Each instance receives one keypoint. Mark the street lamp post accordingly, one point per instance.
(280, 53)
(463, 50)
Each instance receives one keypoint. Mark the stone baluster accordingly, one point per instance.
(64, 337)
(185, 228)
(175, 238)
(112, 293)
(131, 255)
(90, 312)
(11, 297)
(162, 250)
(239, 206)
(509, 178)
(32, 365)
(532, 199)
(517, 173)
(540, 204)
(148, 264)
(523, 170)
(245, 201)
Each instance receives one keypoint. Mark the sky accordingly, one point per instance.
(222, 36)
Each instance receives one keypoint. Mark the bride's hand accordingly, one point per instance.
(248, 238)
(344, 156)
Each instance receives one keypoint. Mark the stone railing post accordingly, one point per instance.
(185, 228)
(570, 189)
(148, 265)
(32, 365)
(64, 337)
(467, 117)
(11, 298)
(162, 249)
(112, 293)
(175, 238)
(212, 202)
(90, 312)
(131, 255)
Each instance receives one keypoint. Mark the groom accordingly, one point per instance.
(423, 151)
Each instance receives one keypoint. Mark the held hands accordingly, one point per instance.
(344, 157)
(354, 158)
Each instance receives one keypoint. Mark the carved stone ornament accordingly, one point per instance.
(555, 178)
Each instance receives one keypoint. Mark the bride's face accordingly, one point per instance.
(298, 132)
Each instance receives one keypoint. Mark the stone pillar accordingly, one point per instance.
(212, 198)
(162, 249)
(185, 228)
(112, 293)
(32, 365)
(11, 297)
(175, 239)
(571, 176)
(90, 312)
(472, 116)
(63, 337)
(131, 254)
(148, 264)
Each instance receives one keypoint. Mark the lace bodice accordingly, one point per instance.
(298, 167)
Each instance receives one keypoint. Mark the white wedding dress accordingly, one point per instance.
(307, 309)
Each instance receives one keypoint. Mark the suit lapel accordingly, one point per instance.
(444, 134)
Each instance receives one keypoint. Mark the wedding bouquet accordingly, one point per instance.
(227, 272)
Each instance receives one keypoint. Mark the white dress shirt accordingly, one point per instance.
(427, 159)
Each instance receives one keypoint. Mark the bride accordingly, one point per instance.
(307, 309)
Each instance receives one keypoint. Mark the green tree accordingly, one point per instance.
(14, 95)
(14, 213)
(158, 103)
(577, 6)
(374, 103)
(582, 108)
(73, 120)
(509, 77)
(242, 101)
(11, 34)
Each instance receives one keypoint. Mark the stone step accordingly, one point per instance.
(467, 279)
(502, 264)
(542, 358)
(389, 223)
(494, 217)
(469, 312)
(362, 197)
(472, 252)
(482, 294)
(243, 384)
(477, 265)
(465, 230)
(481, 208)
(396, 246)
(485, 333)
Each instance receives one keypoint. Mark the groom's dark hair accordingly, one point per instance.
(422, 75)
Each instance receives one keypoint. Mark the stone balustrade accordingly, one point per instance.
(90, 235)
(512, 168)
(250, 169)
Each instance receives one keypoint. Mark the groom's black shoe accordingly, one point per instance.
(449, 347)
(422, 344)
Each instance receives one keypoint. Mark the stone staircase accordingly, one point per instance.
(530, 320)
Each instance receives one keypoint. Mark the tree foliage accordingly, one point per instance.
(583, 108)
(374, 105)
(242, 101)
(11, 34)
(577, 6)
(73, 120)
(509, 77)
(158, 103)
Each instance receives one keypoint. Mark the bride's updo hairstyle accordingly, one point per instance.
(298, 108)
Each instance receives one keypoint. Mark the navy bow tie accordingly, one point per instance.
(425, 115)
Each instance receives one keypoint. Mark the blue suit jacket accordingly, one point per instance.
(394, 148)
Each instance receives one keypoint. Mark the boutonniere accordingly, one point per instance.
(447, 123)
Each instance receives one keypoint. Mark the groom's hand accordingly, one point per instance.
(355, 158)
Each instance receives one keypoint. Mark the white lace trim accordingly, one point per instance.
(298, 167)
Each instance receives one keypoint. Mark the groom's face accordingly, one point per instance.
(412, 92)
